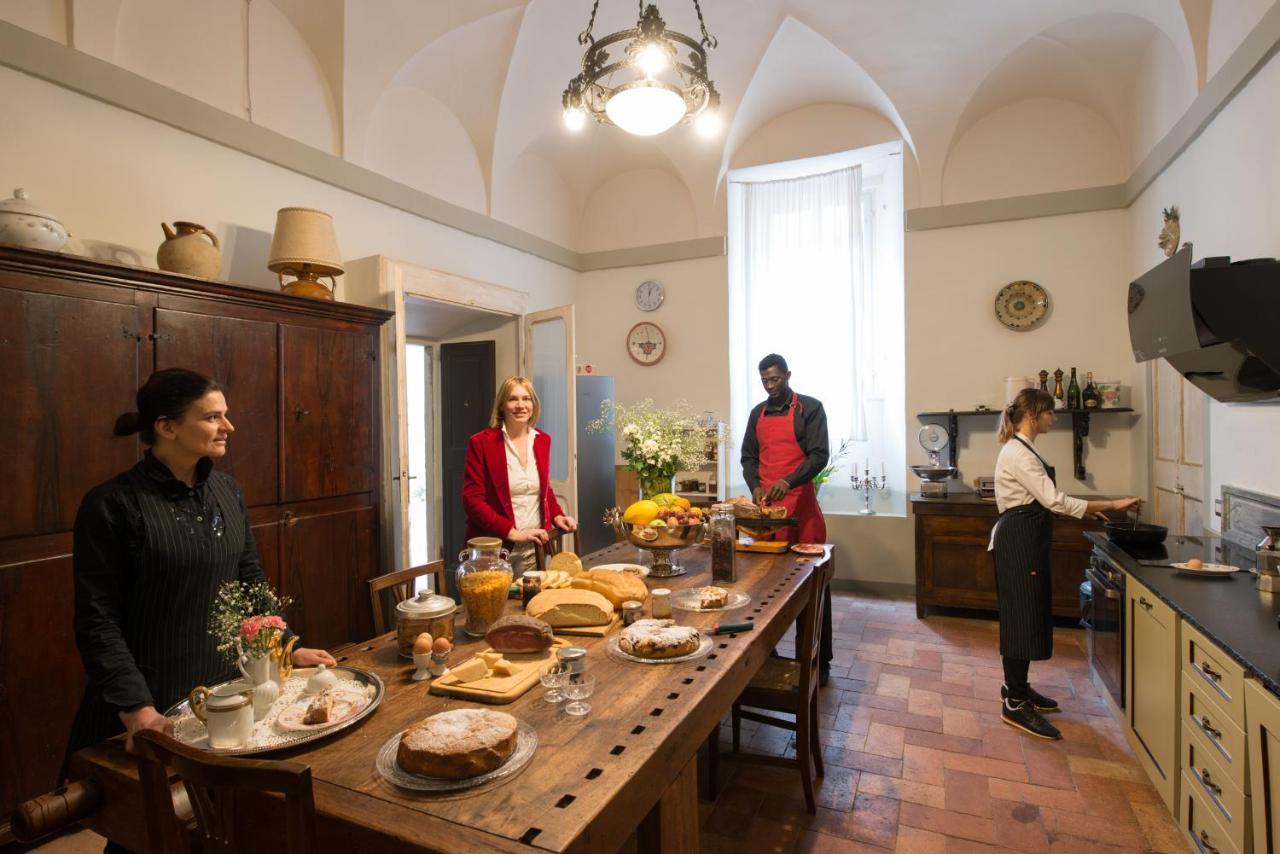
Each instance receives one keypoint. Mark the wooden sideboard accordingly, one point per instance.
(77, 338)
(954, 568)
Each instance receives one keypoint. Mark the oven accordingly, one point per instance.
(1105, 621)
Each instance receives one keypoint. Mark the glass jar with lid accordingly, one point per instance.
(723, 530)
(427, 612)
(484, 578)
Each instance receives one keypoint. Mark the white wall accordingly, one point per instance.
(1227, 185)
(115, 185)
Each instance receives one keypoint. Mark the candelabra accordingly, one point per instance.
(868, 484)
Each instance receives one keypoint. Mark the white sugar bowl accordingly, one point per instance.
(24, 224)
(321, 679)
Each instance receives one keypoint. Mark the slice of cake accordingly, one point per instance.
(458, 744)
(658, 639)
(712, 597)
(320, 709)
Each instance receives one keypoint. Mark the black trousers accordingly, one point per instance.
(825, 644)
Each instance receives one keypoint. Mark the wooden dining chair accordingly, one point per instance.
(555, 545)
(215, 786)
(790, 686)
(400, 584)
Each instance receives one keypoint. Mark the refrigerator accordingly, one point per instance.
(596, 473)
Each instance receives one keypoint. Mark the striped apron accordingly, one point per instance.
(1024, 586)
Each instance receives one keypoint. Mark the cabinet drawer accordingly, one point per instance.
(1212, 669)
(1215, 732)
(1147, 601)
(1230, 805)
(1200, 823)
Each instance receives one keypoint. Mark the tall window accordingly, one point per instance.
(815, 274)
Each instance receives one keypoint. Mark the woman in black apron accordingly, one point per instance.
(1028, 497)
(151, 547)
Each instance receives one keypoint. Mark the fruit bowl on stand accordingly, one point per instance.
(662, 540)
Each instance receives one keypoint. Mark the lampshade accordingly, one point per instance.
(646, 107)
(304, 244)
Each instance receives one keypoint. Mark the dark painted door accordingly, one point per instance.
(467, 383)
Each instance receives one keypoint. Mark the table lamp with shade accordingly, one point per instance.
(304, 244)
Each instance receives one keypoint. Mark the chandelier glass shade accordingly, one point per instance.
(657, 80)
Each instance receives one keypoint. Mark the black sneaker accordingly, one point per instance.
(1040, 701)
(1021, 714)
(824, 675)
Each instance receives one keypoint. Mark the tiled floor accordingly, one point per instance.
(917, 759)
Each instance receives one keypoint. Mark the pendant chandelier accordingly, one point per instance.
(649, 88)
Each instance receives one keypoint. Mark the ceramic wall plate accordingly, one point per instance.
(1022, 305)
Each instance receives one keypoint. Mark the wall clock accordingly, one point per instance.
(646, 343)
(1022, 305)
(649, 295)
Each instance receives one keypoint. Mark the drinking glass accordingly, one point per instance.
(554, 680)
(578, 690)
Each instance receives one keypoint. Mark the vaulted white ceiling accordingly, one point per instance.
(460, 98)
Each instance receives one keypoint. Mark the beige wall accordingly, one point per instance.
(1227, 184)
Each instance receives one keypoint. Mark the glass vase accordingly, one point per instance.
(656, 485)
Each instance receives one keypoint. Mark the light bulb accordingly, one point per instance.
(651, 59)
(708, 124)
(645, 108)
(575, 118)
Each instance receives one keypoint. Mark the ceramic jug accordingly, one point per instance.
(185, 250)
(258, 673)
(227, 713)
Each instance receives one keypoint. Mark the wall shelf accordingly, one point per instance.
(1079, 428)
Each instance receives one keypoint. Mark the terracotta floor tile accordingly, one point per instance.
(907, 720)
(821, 843)
(1106, 768)
(902, 790)
(938, 741)
(874, 820)
(893, 685)
(885, 740)
(859, 761)
(1106, 799)
(1159, 828)
(1015, 771)
(923, 764)
(1028, 793)
(836, 790)
(1089, 827)
(961, 722)
(924, 703)
(913, 840)
(1047, 765)
(947, 822)
(999, 741)
(1018, 827)
(956, 845)
(967, 793)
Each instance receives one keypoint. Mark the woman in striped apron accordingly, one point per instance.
(1028, 497)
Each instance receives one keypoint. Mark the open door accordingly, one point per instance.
(550, 361)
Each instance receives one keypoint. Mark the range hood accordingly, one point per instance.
(1217, 322)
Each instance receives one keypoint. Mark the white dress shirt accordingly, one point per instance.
(1021, 479)
(526, 488)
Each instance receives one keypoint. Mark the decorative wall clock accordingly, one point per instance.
(646, 343)
(1022, 305)
(649, 295)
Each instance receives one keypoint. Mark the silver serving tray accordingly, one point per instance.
(294, 739)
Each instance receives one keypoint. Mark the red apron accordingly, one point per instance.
(780, 455)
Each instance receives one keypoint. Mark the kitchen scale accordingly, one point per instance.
(934, 476)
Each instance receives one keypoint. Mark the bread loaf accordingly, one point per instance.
(570, 607)
(515, 633)
(617, 587)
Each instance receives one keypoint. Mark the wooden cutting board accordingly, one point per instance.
(589, 631)
(499, 690)
(770, 547)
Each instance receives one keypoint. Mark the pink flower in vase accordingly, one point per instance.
(250, 627)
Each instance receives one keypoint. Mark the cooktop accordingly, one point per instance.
(1180, 548)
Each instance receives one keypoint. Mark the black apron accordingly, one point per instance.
(1024, 587)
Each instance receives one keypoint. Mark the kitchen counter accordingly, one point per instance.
(1230, 611)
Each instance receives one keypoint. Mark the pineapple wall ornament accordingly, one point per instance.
(1171, 233)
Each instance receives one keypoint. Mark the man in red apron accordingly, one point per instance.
(784, 447)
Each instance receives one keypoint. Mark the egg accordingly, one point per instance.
(1195, 563)
(442, 644)
(422, 644)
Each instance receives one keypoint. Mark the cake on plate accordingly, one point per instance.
(458, 744)
(712, 597)
(658, 639)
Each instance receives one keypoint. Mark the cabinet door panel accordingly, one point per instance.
(1152, 638)
(71, 367)
(327, 562)
(241, 355)
(41, 675)
(327, 412)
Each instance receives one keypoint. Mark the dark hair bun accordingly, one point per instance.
(128, 424)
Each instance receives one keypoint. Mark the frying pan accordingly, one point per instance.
(1135, 533)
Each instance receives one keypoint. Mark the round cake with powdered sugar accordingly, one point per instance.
(457, 744)
(658, 639)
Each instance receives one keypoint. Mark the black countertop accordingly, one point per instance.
(1230, 611)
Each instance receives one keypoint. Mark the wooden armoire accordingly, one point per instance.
(77, 338)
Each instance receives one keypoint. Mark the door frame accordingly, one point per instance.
(564, 489)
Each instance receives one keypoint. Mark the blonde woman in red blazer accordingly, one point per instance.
(506, 488)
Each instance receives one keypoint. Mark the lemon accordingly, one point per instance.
(665, 499)
(641, 513)
(657, 523)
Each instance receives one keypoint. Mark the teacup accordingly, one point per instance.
(227, 713)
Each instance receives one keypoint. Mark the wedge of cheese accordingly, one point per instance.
(470, 670)
(570, 607)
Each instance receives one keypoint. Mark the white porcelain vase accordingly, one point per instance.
(257, 671)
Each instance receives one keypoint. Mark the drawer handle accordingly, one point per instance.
(1210, 672)
(1142, 600)
(1207, 726)
(1208, 782)
(1204, 843)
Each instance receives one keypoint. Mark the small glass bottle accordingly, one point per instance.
(724, 541)
(530, 586)
(1073, 392)
(1090, 397)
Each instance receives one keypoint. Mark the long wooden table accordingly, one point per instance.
(629, 766)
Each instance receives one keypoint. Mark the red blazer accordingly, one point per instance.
(486, 492)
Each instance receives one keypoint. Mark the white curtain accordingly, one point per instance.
(798, 286)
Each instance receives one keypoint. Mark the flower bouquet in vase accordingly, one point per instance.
(247, 624)
(655, 443)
